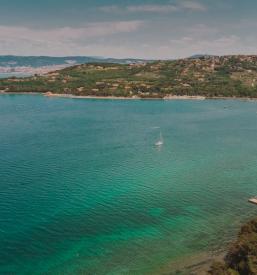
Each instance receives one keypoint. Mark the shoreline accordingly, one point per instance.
(168, 97)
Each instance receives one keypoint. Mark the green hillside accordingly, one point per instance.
(208, 76)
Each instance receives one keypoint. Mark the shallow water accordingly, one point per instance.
(84, 190)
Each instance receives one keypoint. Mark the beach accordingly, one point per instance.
(168, 97)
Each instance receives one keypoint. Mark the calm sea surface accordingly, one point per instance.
(14, 74)
(84, 190)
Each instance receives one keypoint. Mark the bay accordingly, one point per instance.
(83, 189)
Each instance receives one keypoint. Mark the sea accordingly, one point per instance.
(14, 74)
(84, 189)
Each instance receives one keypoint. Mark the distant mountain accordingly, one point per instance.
(196, 56)
(39, 61)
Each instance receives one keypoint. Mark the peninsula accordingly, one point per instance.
(203, 76)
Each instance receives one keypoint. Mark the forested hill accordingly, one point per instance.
(209, 76)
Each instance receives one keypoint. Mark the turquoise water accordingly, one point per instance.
(84, 190)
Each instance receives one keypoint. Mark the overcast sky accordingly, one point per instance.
(136, 28)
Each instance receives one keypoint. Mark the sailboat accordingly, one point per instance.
(160, 141)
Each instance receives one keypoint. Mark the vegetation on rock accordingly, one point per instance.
(242, 256)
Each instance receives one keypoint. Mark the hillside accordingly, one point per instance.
(242, 256)
(208, 76)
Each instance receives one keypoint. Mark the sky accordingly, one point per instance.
(164, 29)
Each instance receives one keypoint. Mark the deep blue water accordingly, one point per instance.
(84, 190)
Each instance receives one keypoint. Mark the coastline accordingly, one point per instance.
(126, 98)
(168, 97)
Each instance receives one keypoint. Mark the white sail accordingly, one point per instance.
(160, 141)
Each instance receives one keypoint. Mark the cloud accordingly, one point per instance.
(111, 8)
(152, 8)
(201, 30)
(56, 41)
(90, 30)
(220, 45)
(165, 8)
(193, 6)
(135, 38)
